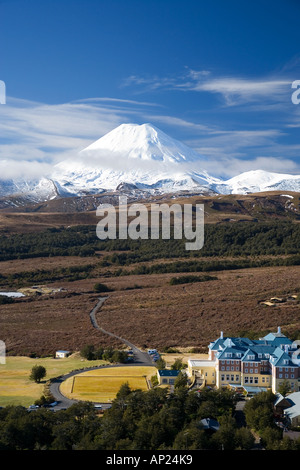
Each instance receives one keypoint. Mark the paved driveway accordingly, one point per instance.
(140, 359)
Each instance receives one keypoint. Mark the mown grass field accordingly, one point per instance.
(102, 385)
(17, 389)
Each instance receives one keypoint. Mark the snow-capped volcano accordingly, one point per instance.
(139, 155)
(142, 143)
(141, 158)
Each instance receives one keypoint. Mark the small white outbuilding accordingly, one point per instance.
(60, 354)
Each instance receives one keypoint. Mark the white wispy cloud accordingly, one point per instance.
(234, 90)
(240, 91)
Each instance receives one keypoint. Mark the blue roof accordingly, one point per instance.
(280, 358)
(294, 410)
(228, 341)
(256, 350)
(210, 423)
(168, 372)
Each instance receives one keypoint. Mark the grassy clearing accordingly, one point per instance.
(17, 389)
(102, 385)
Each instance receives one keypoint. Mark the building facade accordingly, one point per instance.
(248, 365)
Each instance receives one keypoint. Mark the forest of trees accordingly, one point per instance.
(228, 239)
(153, 420)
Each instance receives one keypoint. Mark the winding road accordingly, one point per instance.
(140, 359)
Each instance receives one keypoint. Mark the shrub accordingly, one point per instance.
(99, 288)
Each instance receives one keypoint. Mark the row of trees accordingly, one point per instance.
(239, 239)
(91, 353)
(71, 273)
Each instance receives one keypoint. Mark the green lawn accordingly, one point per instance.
(102, 385)
(17, 389)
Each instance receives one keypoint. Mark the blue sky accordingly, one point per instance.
(215, 75)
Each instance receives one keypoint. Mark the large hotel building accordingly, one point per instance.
(250, 365)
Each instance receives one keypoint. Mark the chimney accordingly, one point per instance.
(278, 330)
(221, 336)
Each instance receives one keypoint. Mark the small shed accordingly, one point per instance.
(60, 354)
(167, 376)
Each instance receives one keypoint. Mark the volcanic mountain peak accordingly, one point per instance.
(143, 142)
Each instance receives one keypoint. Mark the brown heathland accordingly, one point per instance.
(150, 312)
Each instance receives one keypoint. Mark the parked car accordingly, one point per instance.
(152, 351)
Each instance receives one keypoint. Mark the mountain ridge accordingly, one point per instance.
(146, 160)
